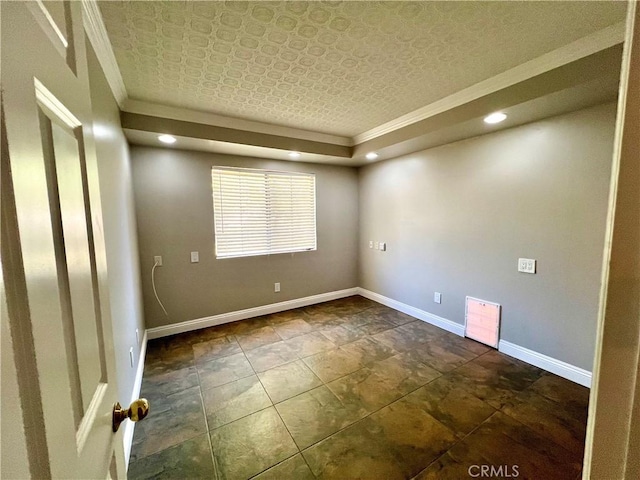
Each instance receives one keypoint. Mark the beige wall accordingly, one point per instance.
(120, 233)
(175, 216)
(456, 218)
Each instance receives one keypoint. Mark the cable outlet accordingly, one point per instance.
(157, 260)
(276, 287)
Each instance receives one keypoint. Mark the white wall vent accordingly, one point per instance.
(482, 321)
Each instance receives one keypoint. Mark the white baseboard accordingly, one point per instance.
(214, 320)
(560, 368)
(443, 323)
(127, 435)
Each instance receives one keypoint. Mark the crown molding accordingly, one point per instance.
(97, 33)
(581, 48)
(216, 120)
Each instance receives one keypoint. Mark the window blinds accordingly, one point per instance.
(260, 212)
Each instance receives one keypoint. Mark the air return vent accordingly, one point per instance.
(482, 321)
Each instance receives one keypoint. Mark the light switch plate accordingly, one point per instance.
(383, 246)
(437, 297)
(527, 265)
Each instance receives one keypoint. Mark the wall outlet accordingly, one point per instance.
(131, 356)
(437, 297)
(138, 337)
(376, 245)
(276, 287)
(383, 246)
(370, 243)
(527, 265)
(157, 260)
(195, 257)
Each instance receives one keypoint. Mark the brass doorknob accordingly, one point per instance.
(136, 412)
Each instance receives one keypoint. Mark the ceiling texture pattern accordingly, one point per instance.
(333, 67)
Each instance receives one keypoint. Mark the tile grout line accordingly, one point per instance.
(206, 423)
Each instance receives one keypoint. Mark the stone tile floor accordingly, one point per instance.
(350, 389)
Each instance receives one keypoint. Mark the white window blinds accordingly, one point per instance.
(260, 212)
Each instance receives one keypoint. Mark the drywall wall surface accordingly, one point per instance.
(120, 233)
(174, 209)
(456, 219)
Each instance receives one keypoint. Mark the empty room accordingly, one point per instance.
(320, 239)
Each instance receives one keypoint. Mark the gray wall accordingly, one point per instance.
(457, 217)
(175, 216)
(119, 227)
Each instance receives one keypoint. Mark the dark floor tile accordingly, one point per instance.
(252, 444)
(550, 419)
(382, 382)
(179, 413)
(162, 357)
(216, 348)
(570, 394)
(294, 468)
(244, 327)
(395, 317)
(459, 465)
(511, 368)
(293, 328)
(441, 357)
(288, 380)
(452, 340)
(333, 364)
(358, 319)
(309, 344)
(397, 340)
(376, 325)
(223, 370)
(162, 384)
(341, 335)
(415, 437)
(421, 331)
(495, 378)
(257, 338)
(229, 402)
(316, 414)
(357, 452)
(369, 350)
(189, 459)
(287, 315)
(270, 356)
(504, 441)
(451, 405)
(323, 319)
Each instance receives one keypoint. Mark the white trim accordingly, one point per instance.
(186, 115)
(443, 323)
(49, 25)
(581, 48)
(97, 33)
(90, 416)
(553, 365)
(49, 101)
(214, 320)
(127, 434)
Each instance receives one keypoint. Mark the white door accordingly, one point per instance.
(53, 260)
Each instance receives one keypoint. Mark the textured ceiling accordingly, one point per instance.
(333, 67)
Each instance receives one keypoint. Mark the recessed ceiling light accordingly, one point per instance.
(294, 154)
(167, 139)
(496, 117)
(372, 156)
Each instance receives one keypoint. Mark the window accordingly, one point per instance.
(261, 212)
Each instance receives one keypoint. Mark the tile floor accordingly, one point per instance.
(350, 389)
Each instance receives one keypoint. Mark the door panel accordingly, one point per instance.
(58, 220)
